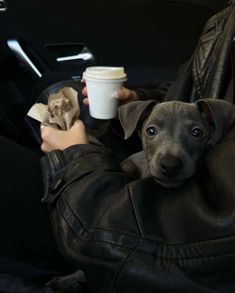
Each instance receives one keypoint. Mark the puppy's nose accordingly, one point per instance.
(171, 165)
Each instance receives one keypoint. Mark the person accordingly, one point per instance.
(28, 250)
(134, 235)
(53, 139)
(127, 236)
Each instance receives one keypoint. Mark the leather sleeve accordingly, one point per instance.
(157, 93)
(62, 167)
(89, 206)
(123, 234)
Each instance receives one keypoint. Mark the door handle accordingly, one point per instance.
(85, 55)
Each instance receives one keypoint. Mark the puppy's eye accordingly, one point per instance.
(196, 132)
(151, 131)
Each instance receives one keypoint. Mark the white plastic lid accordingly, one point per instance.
(104, 72)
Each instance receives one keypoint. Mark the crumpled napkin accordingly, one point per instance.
(60, 112)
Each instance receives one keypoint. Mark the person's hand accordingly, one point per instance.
(55, 139)
(125, 95)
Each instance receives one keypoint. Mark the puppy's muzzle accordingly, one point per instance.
(170, 171)
(171, 165)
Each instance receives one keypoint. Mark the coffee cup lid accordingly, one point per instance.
(104, 72)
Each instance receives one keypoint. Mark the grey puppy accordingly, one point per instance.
(175, 135)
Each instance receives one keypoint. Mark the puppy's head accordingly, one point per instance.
(175, 134)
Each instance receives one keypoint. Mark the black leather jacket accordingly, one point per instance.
(135, 236)
(208, 74)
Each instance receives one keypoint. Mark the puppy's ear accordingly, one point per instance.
(130, 114)
(219, 115)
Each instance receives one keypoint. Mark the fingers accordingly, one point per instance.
(85, 101)
(47, 135)
(127, 95)
(78, 133)
(84, 91)
(46, 148)
(55, 139)
(78, 126)
(123, 94)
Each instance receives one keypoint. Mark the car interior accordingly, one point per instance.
(45, 42)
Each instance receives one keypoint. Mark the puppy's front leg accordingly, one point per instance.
(136, 165)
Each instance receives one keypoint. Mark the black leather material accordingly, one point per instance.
(214, 47)
(136, 236)
(208, 72)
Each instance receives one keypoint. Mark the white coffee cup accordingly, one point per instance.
(103, 83)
